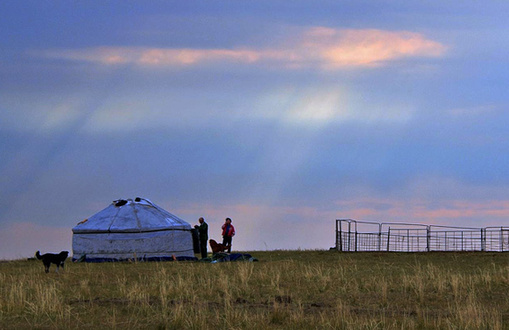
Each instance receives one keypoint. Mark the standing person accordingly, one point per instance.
(203, 232)
(228, 233)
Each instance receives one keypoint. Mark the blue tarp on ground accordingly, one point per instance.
(95, 260)
(216, 257)
(225, 257)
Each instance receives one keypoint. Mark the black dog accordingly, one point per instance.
(52, 258)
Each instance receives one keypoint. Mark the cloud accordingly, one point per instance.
(41, 115)
(324, 104)
(21, 240)
(317, 47)
(262, 227)
(155, 56)
(424, 211)
(366, 48)
(475, 111)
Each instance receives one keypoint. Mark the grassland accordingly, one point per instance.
(284, 290)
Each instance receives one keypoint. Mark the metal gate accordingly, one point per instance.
(356, 236)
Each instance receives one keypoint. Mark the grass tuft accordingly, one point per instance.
(285, 290)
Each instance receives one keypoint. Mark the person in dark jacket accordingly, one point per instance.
(228, 233)
(203, 232)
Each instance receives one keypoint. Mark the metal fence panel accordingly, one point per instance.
(357, 236)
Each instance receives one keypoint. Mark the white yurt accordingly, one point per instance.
(132, 229)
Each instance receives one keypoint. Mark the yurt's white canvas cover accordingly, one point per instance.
(132, 229)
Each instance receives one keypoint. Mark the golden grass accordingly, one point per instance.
(285, 290)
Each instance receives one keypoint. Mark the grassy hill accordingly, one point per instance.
(284, 290)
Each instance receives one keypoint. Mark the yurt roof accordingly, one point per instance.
(127, 215)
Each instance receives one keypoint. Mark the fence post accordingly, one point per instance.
(483, 239)
(501, 240)
(356, 238)
(428, 234)
(349, 235)
(388, 238)
(408, 240)
(338, 235)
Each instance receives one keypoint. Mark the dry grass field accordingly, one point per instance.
(284, 290)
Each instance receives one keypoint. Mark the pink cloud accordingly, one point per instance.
(254, 211)
(344, 48)
(261, 227)
(319, 47)
(22, 240)
(155, 56)
(386, 210)
(193, 56)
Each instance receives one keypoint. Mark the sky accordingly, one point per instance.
(282, 115)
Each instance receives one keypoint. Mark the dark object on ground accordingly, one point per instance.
(225, 257)
(52, 258)
(196, 240)
(84, 258)
(217, 247)
(120, 202)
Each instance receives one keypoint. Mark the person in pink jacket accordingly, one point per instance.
(228, 233)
